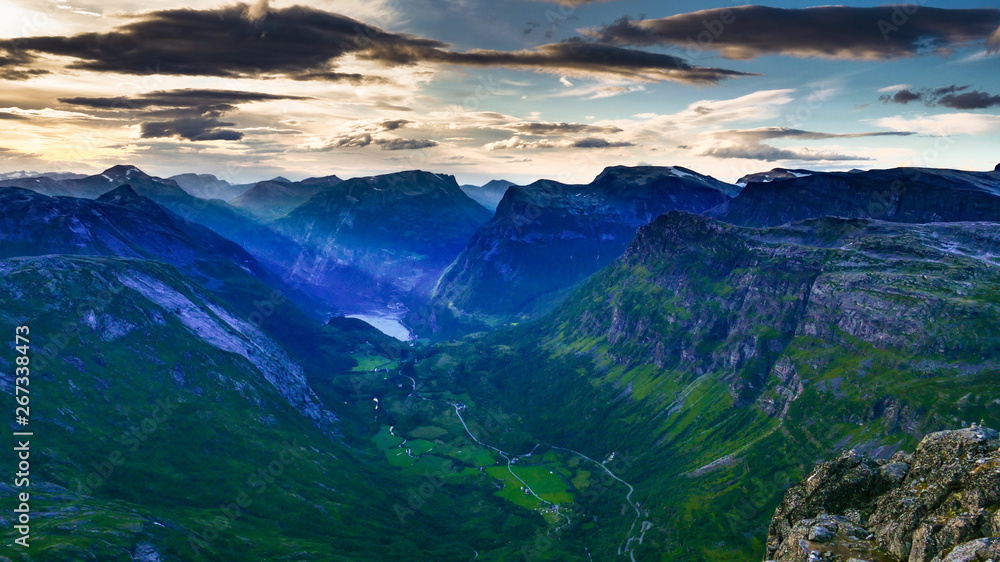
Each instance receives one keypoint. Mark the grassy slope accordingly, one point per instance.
(684, 355)
(328, 501)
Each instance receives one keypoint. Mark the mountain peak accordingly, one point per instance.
(123, 174)
(643, 174)
(771, 175)
(122, 195)
(498, 184)
(124, 169)
(280, 179)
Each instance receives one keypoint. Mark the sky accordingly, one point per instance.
(519, 89)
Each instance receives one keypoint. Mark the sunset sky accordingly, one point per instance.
(483, 89)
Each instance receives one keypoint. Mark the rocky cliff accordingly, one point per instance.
(939, 504)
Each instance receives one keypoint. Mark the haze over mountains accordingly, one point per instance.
(635, 368)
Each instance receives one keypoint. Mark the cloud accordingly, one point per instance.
(894, 88)
(749, 144)
(944, 125)
(970, 100)
(304, 43)
(578, 57)
(405, 144)
(834, 32)
(190, 114)
(199, 98)
(191, 128)
(548, 128)
(903, 96)
(359, 134)
(232, 41)
(13, 66)
(952, 96)
(393, 124)
(47, 113)
(587, 142)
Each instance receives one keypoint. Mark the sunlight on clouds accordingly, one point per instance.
(944, 124)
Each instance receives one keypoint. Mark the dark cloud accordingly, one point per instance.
(750, 144)
(199, 98)
(191, 114)
(970, 100)
(590, 58)
(191, 128)
(955, 97)
(13, 65)
(12, 116)
(297, 41)
(952, 89)
(393, 124)
(594, 142)
(405, 144)
(547, 128)
(304, 43)
(837, 32)
(903, 96)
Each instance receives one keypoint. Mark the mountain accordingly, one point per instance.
(51, 175)
(272, 199)
(122, 223)
(773, 174)
(93, 186)
(937, 503)
(400, 230)
(723, 362)
(548, 236)
(202, 430)
(207, 186)
(279, 253)
(488, 195)
(915, 195)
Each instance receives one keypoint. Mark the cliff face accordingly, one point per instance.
(546, 237)
(939, 504)
(394, 233)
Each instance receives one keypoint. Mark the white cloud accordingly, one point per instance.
(944, 125)
(47, 112)
(895, 88)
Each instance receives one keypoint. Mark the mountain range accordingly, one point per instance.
(547, 236)
(637, 368)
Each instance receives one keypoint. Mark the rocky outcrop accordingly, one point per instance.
(940, 504)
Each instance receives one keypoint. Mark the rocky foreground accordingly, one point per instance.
(939, 504)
